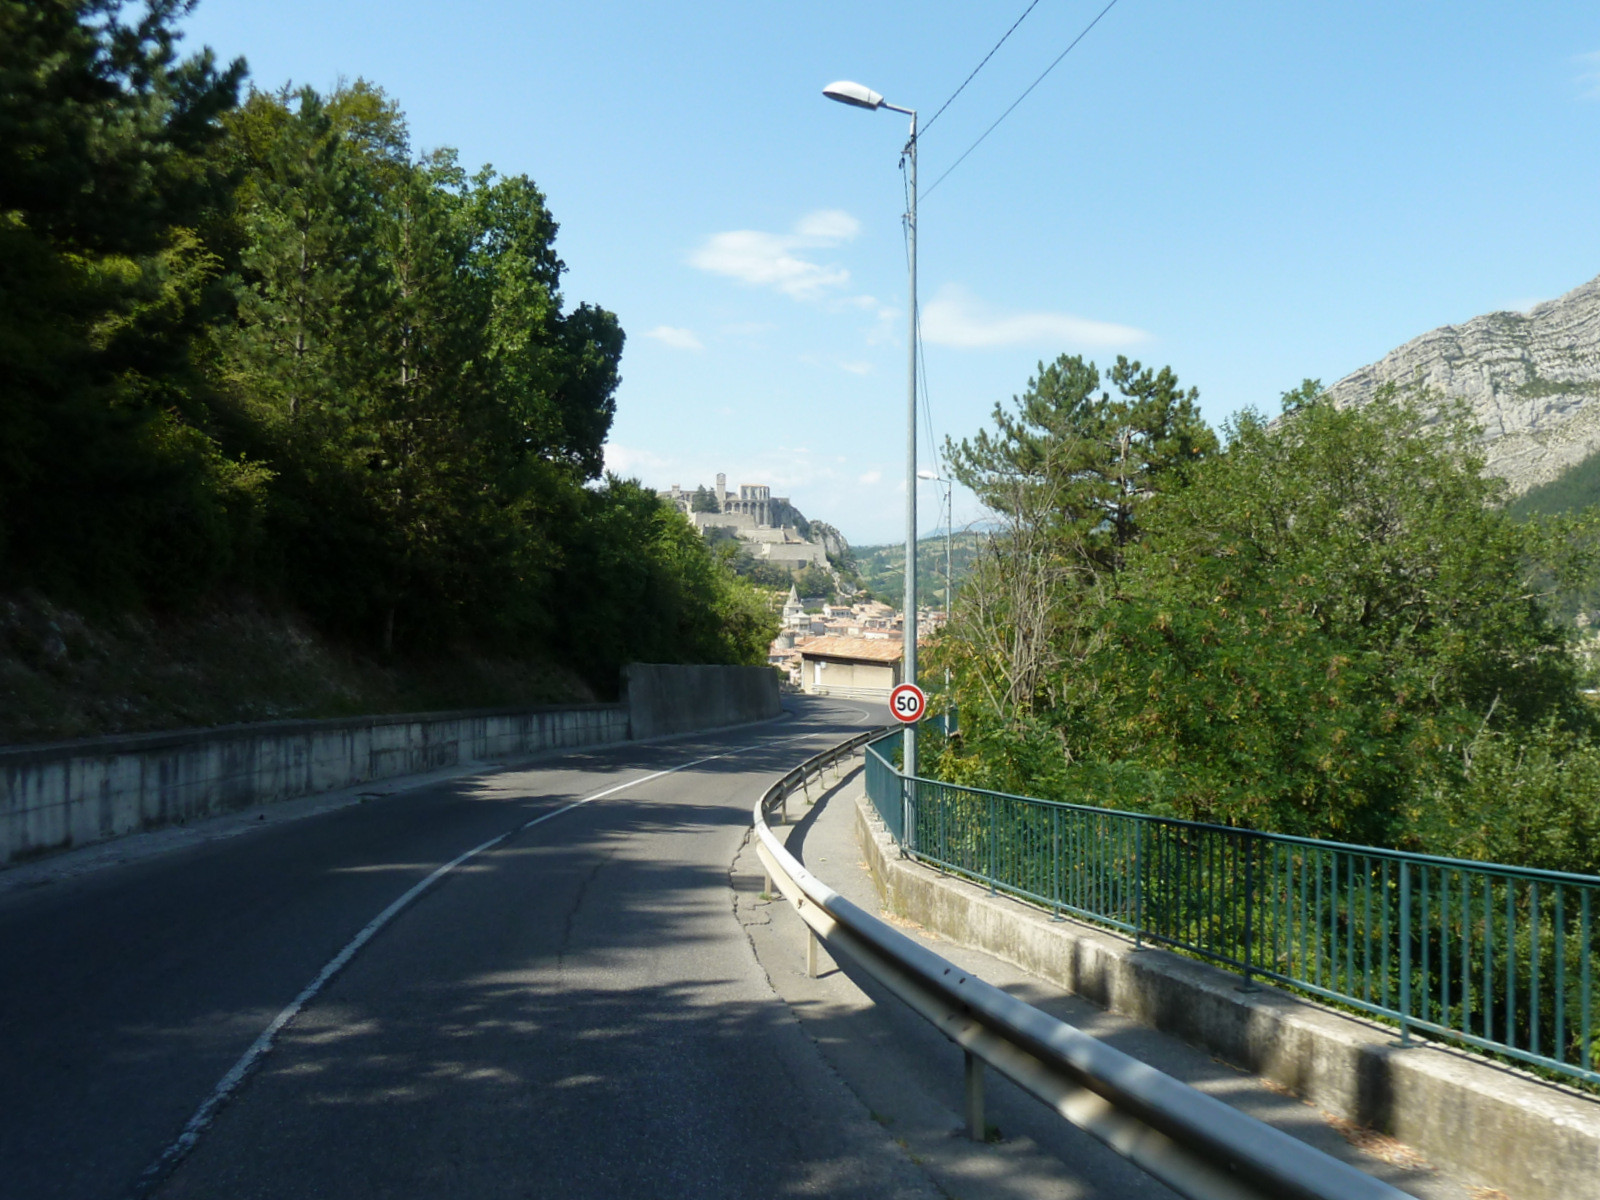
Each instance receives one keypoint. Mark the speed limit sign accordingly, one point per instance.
(907, 703)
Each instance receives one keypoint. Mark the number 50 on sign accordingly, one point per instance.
(907, 703)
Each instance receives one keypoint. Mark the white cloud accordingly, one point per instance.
(1589, 76)
(956, 318)
(870, 478)
(856, 368)
(643, 464)
(671, 335)
(828, 226)
(775, 259)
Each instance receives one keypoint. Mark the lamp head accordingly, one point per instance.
(846, 92)
(927, 474)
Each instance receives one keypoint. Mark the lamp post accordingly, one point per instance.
(861, 96)
(949, 585)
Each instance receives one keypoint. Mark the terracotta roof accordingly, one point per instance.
(859, 649)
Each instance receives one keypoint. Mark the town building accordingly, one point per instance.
(851, 667)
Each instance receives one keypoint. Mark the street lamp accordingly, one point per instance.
(861, 96)
(949, 520)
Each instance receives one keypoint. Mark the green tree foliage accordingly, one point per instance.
(665, 596)
(105, 177)
(1068, 472)
(704, 501)
(1097, 457)
(1332, 628)
(265, 344)
(812, 580)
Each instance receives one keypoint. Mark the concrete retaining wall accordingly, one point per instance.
(72, 793)
(666, 698)
(1492, 1124)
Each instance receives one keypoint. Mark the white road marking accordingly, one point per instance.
(185, 1141)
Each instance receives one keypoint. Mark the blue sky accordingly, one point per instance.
(1249, 192)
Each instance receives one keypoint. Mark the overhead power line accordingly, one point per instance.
(929, 124)
(1020, 98)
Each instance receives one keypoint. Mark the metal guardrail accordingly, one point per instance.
(1193, 1143)
(1493, 957)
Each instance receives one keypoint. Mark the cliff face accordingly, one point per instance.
(1532, 381)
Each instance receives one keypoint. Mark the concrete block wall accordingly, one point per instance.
(73, 793)
(673, 698)
(1496, 1125)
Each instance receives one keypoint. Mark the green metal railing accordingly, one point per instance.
(1494, 957)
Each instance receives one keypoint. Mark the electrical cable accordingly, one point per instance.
(929, 124)
(1020, 98)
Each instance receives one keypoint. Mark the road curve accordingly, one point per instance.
(574, 1009)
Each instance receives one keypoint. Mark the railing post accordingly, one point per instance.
(904, 812)
(1405, 952)
(992, 831)
(811, 953)
(976, 1130)
(1138, 885)
(1249, 846)
(1055, 861)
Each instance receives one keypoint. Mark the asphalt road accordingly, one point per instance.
(590, 998)
(574, 1011)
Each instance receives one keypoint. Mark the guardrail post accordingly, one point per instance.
(973, 1097)
(811, 953)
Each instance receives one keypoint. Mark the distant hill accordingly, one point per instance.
(1576, 487)
(883, 568)
(1532, 381)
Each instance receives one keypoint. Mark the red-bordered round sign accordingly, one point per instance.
(907, 704)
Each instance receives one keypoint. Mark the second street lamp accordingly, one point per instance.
(861, 96)
(949, 587)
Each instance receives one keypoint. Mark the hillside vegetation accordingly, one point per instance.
(253, 344)
(882, 569)
(1327, 625)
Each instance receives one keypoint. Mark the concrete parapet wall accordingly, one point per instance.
(665, 699)
(74, 793)
(1493, 1124)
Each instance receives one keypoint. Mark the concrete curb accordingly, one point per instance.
(1532, 1139)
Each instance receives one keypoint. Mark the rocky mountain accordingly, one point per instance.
(1532, 381)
